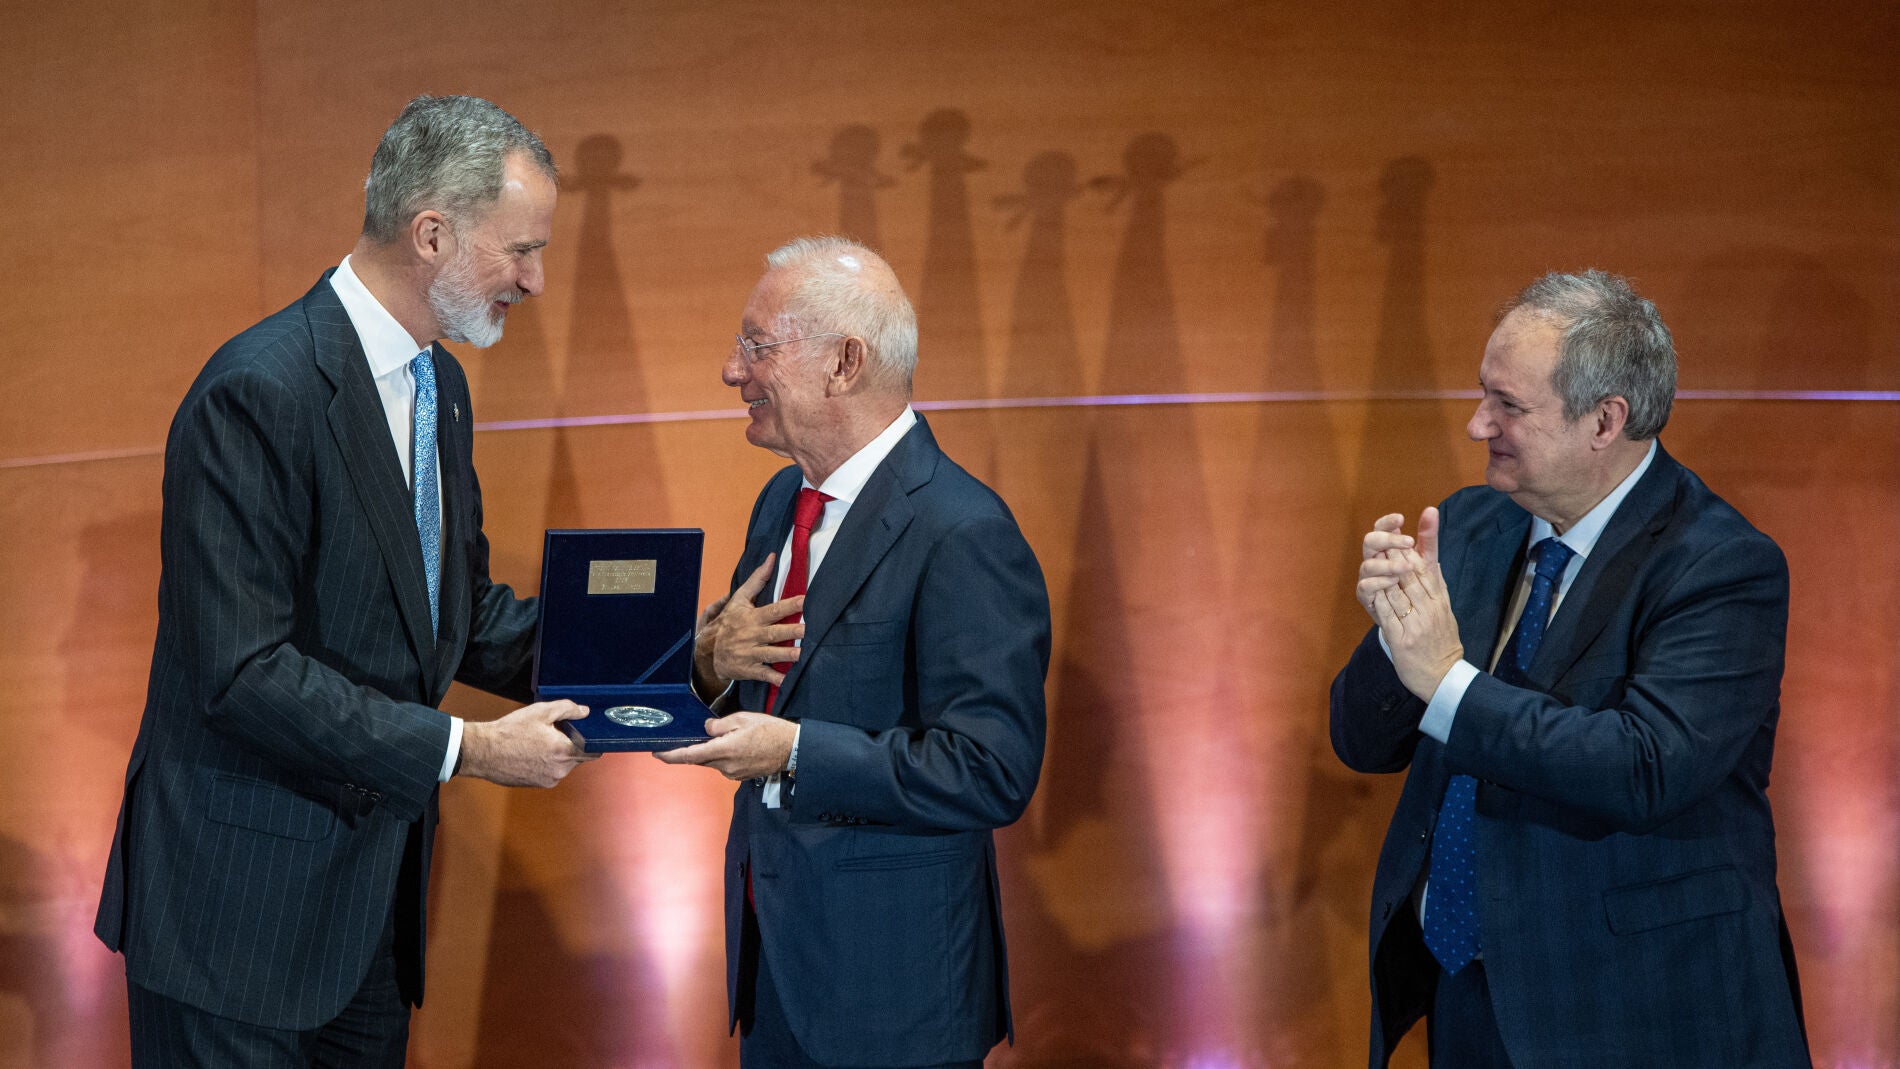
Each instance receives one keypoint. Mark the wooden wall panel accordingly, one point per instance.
(1107, 198)
(133, 207)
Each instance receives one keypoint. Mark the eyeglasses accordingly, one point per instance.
(751, 348)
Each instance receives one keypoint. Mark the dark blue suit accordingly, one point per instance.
(284, 775)
(920, 691)
(1626, 849)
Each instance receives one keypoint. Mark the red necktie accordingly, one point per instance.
(798, 572)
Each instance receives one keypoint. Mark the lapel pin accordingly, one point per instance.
(456, 408)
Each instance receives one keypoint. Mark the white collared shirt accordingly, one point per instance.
(843, 486)
(388, 348)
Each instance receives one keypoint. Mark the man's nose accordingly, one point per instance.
(530, 279)
(1480, 426)
(732, 372)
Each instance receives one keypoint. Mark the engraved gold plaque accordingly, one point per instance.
(621, 576)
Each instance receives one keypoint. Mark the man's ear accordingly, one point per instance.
(429, 236)
(849, 366)
(1612, 415)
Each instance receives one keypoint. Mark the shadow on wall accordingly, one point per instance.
(851, 163)
(949, 309)
(564, 997)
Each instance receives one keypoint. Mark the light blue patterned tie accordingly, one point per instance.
(428, 506)
(1453, 925)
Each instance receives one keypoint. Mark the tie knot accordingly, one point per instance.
(1552, 555)
(810, 503)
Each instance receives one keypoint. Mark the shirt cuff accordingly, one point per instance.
(791, 762)
(1443, 708)
(455, 750)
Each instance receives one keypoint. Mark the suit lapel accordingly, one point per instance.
(362, 437)
(876, 520)
(1602, 585)
(1485, 578)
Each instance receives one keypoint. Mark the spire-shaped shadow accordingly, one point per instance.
(1040, 451)
(1144, 343)
(539, 970)
(1085, 902)
(1042, 360)
(515, 379)
(1405, 459)
(949, 306)
(1291, 251)
(852, 164)
(1197, 753)
(604, 370)
(1289, 567)
(1407, 451)
(1088, 915)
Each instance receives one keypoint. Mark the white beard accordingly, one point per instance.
(461, 310)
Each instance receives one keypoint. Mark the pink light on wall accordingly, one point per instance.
(670, 826)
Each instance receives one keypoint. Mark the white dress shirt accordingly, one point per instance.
(389, 349)
(843, 486)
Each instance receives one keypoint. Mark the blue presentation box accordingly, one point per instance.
(616, 635)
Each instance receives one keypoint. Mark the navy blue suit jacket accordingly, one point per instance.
(1626, 849)
(920, 691)
(285, 768)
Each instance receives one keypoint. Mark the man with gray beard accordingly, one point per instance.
(324, 578)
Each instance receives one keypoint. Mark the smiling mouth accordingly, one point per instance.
(758, 403)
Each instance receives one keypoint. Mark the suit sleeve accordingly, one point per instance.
(239, 522)
(971, 756)
(1701, 680)
(1374, 719)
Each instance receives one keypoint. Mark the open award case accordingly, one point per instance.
(616, 635)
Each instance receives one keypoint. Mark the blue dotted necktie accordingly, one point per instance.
(428, 505)
(1453, 928)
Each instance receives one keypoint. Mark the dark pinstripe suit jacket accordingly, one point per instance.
(285, 769)
(920, 688)
(1627, 853)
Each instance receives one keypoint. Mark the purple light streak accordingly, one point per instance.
(1115, 400)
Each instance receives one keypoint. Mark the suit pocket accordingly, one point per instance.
(864, 632)
(894, 934)
(1693, 896)
(888, 862)
(258, 806)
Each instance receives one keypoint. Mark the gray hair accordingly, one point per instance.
(445, 154)
(835, 294)
(1614, 344)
